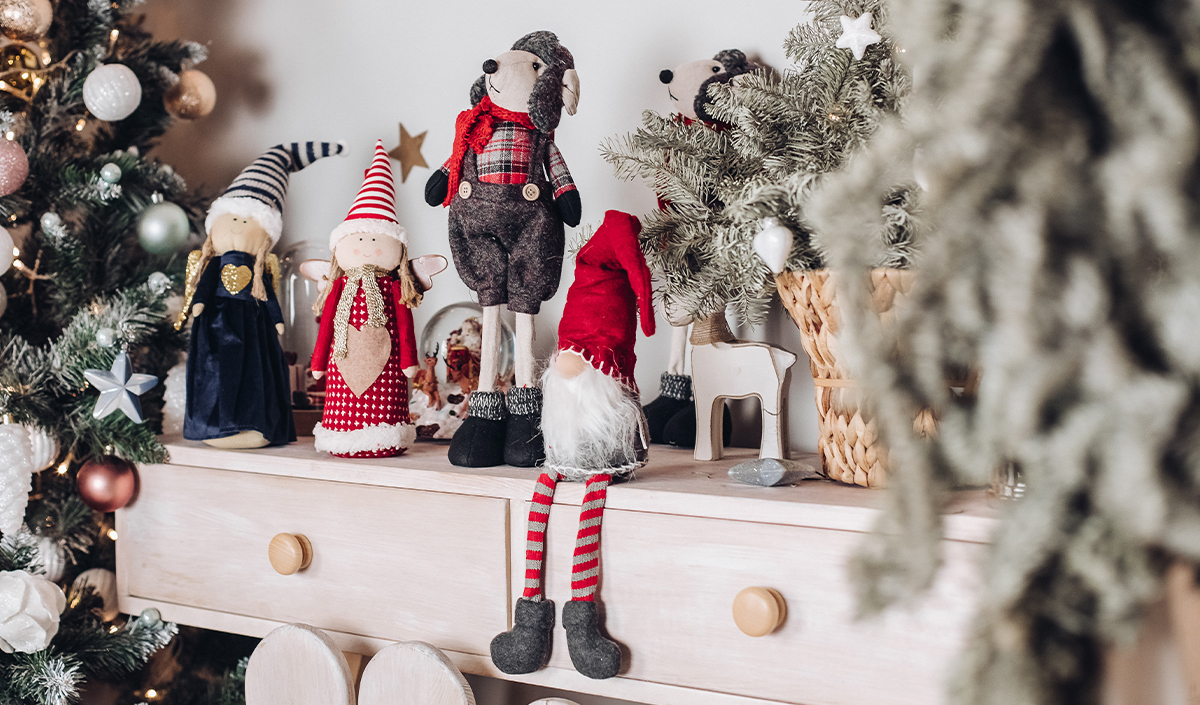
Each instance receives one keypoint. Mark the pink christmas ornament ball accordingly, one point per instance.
(14, 166)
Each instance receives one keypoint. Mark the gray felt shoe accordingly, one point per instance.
(593, 655)
(526, 647)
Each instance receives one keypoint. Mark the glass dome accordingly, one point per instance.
(299, 295)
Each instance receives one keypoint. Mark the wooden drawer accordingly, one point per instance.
(387, 563)
(668, 586)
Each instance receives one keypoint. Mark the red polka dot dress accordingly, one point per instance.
(374, 422)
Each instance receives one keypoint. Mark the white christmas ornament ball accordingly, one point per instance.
(111, 173)
(43, 448)
(6, 251)
(51, 556)
(104, 582)
(30, 606)
(105, 337)
(773, 244)
(159, 283)
(50, 221)
(112, 92)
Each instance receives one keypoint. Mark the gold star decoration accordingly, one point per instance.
(408, 153)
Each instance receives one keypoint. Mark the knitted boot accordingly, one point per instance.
(526, 647)
(674, 394)
(593, 655)
(523, 444)
(681, 429)
(479, 442)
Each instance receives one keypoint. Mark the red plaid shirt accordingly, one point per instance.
(507, 159)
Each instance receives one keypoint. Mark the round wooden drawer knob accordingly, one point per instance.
(758, 611)
(290, 553)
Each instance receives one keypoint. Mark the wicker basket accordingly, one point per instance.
(849, 445)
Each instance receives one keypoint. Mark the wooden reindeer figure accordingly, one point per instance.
(726, 368)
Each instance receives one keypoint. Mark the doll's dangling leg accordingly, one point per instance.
(593, 654)
(479, 441)
(523, 443)
(526, 647)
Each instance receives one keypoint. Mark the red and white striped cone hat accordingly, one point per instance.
(374, 209)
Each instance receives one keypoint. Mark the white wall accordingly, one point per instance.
(302, 69)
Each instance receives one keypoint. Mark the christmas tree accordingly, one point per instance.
(93, 231)
(773, 138)
(1061, 154)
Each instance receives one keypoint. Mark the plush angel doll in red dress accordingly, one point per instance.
(366, 343)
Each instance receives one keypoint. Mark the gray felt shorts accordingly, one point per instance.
(507, 249)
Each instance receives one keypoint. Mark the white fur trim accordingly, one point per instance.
(592, 424)
(374, 226)
(368, 438)
(270, 219)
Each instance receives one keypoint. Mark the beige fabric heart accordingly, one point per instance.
(367, 352)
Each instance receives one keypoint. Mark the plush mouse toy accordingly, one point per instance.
(366, 341)
(509, 193)
(671, 417)
(238, 390)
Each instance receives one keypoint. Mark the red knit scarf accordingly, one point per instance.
(473, 129)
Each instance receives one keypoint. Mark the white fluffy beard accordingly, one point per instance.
(592, 424)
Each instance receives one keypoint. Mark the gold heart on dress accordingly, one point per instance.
(235, 278)
(367, 352)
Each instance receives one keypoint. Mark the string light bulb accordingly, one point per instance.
(10, 135)
(63, 467)
(112, 534)
(151, 694)
(78, 125)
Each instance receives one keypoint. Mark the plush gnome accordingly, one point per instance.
(595, 433)
(366, 342)
(671, 416)
(509, 193)
(238, 389)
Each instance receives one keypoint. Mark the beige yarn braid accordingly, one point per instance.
(358, 276)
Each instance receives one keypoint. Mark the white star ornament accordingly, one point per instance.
(857, 35)
(119, 389)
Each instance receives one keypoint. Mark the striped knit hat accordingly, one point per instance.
(259, 191)
(374, 208)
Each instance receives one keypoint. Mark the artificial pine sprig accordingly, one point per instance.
(778, 133)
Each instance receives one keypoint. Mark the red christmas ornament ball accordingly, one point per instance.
(107, 483)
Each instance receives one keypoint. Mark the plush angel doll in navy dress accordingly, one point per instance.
(238, 390)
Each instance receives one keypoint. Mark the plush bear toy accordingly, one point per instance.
(595, 433)
(671, 417)
(366, 341)
(238, 389)
(509, 193)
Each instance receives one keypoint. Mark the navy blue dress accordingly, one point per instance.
(237, 378)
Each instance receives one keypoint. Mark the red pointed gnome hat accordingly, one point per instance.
(612, 286)
(374, 209)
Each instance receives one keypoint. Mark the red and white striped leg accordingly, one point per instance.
(535, 538)
(585, 569)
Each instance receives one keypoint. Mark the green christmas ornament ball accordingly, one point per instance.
(163, 228)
